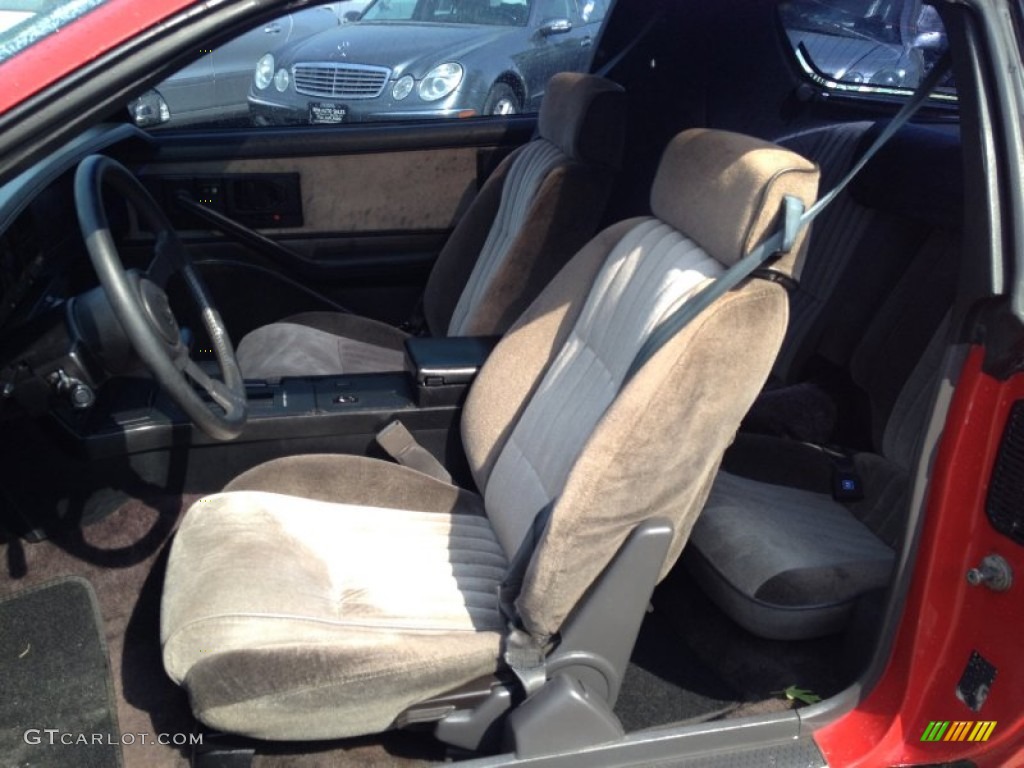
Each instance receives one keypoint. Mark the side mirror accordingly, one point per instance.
(351, 16)
(149, 109)
(555, 27)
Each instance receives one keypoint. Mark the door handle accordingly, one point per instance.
(273, 29)
(586, 42)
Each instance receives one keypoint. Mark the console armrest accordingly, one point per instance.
(443, 368)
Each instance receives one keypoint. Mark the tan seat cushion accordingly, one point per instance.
(292, 618)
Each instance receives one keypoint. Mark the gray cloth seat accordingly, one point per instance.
(863, 244)
(538, 208)
(772, 548)
(321, 596)
(785, 562)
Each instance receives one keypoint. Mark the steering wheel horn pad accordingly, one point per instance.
(158, 311)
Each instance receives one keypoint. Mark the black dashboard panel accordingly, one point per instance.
(42, 257)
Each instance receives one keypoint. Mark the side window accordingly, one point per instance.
(592, 11)
(866, 46)
(367, 61)
(555, 9)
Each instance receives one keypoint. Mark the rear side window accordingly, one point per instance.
(866, 46)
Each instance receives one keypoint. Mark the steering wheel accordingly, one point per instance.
(141, 306)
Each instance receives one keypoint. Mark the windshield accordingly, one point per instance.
(490, 12)
(24, 22)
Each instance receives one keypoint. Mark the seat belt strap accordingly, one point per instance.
(512, 584)
(613, 62)
(795, 219)
(416, 323)
(400, 445)
(525, 654)
(527, 658)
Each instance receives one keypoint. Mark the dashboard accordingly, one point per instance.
(43, 259)
(38, 252)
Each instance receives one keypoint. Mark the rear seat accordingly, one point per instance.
(834, 149)
(772, 547)
(860, 248)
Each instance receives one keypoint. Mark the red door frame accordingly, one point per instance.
(945, 619)
(83, 40)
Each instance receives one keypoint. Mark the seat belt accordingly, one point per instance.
(525, 654)
(399, 443)
(794, 222)
(625, 50)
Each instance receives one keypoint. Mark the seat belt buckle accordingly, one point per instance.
(396, 440)
(846, 485)
(400, 444)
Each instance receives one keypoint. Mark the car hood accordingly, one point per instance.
(400, 46)
(844, 55)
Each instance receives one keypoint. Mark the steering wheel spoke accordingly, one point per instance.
(169, 258)
(144, 313)
(221, 394)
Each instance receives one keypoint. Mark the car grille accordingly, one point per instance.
(340, 81)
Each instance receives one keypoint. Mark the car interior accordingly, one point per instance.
(433, 504)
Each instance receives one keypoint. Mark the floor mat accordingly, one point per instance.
(665, 684)
(58, 707)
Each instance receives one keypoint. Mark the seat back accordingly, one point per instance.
(836, 232)
(551, 418)
(863, 242)
(539, 207)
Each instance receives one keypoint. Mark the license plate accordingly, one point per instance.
(325, 113)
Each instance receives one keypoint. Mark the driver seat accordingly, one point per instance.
(327, 596)
(541, 204)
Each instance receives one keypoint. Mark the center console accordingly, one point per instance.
(133, 415)
(135, 439)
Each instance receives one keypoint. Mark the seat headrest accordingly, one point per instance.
(585, 117)
(725, 191)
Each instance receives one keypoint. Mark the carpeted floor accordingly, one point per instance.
(56, 679)
(665, 684)
(757, 669)
(691, 663)
(123, 557)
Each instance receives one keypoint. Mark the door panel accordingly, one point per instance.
(377, 205)
(412, 190)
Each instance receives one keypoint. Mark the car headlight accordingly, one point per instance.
(264, 71)
(440, 81)
(403, 87)
(282, 80)
(889, 76)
